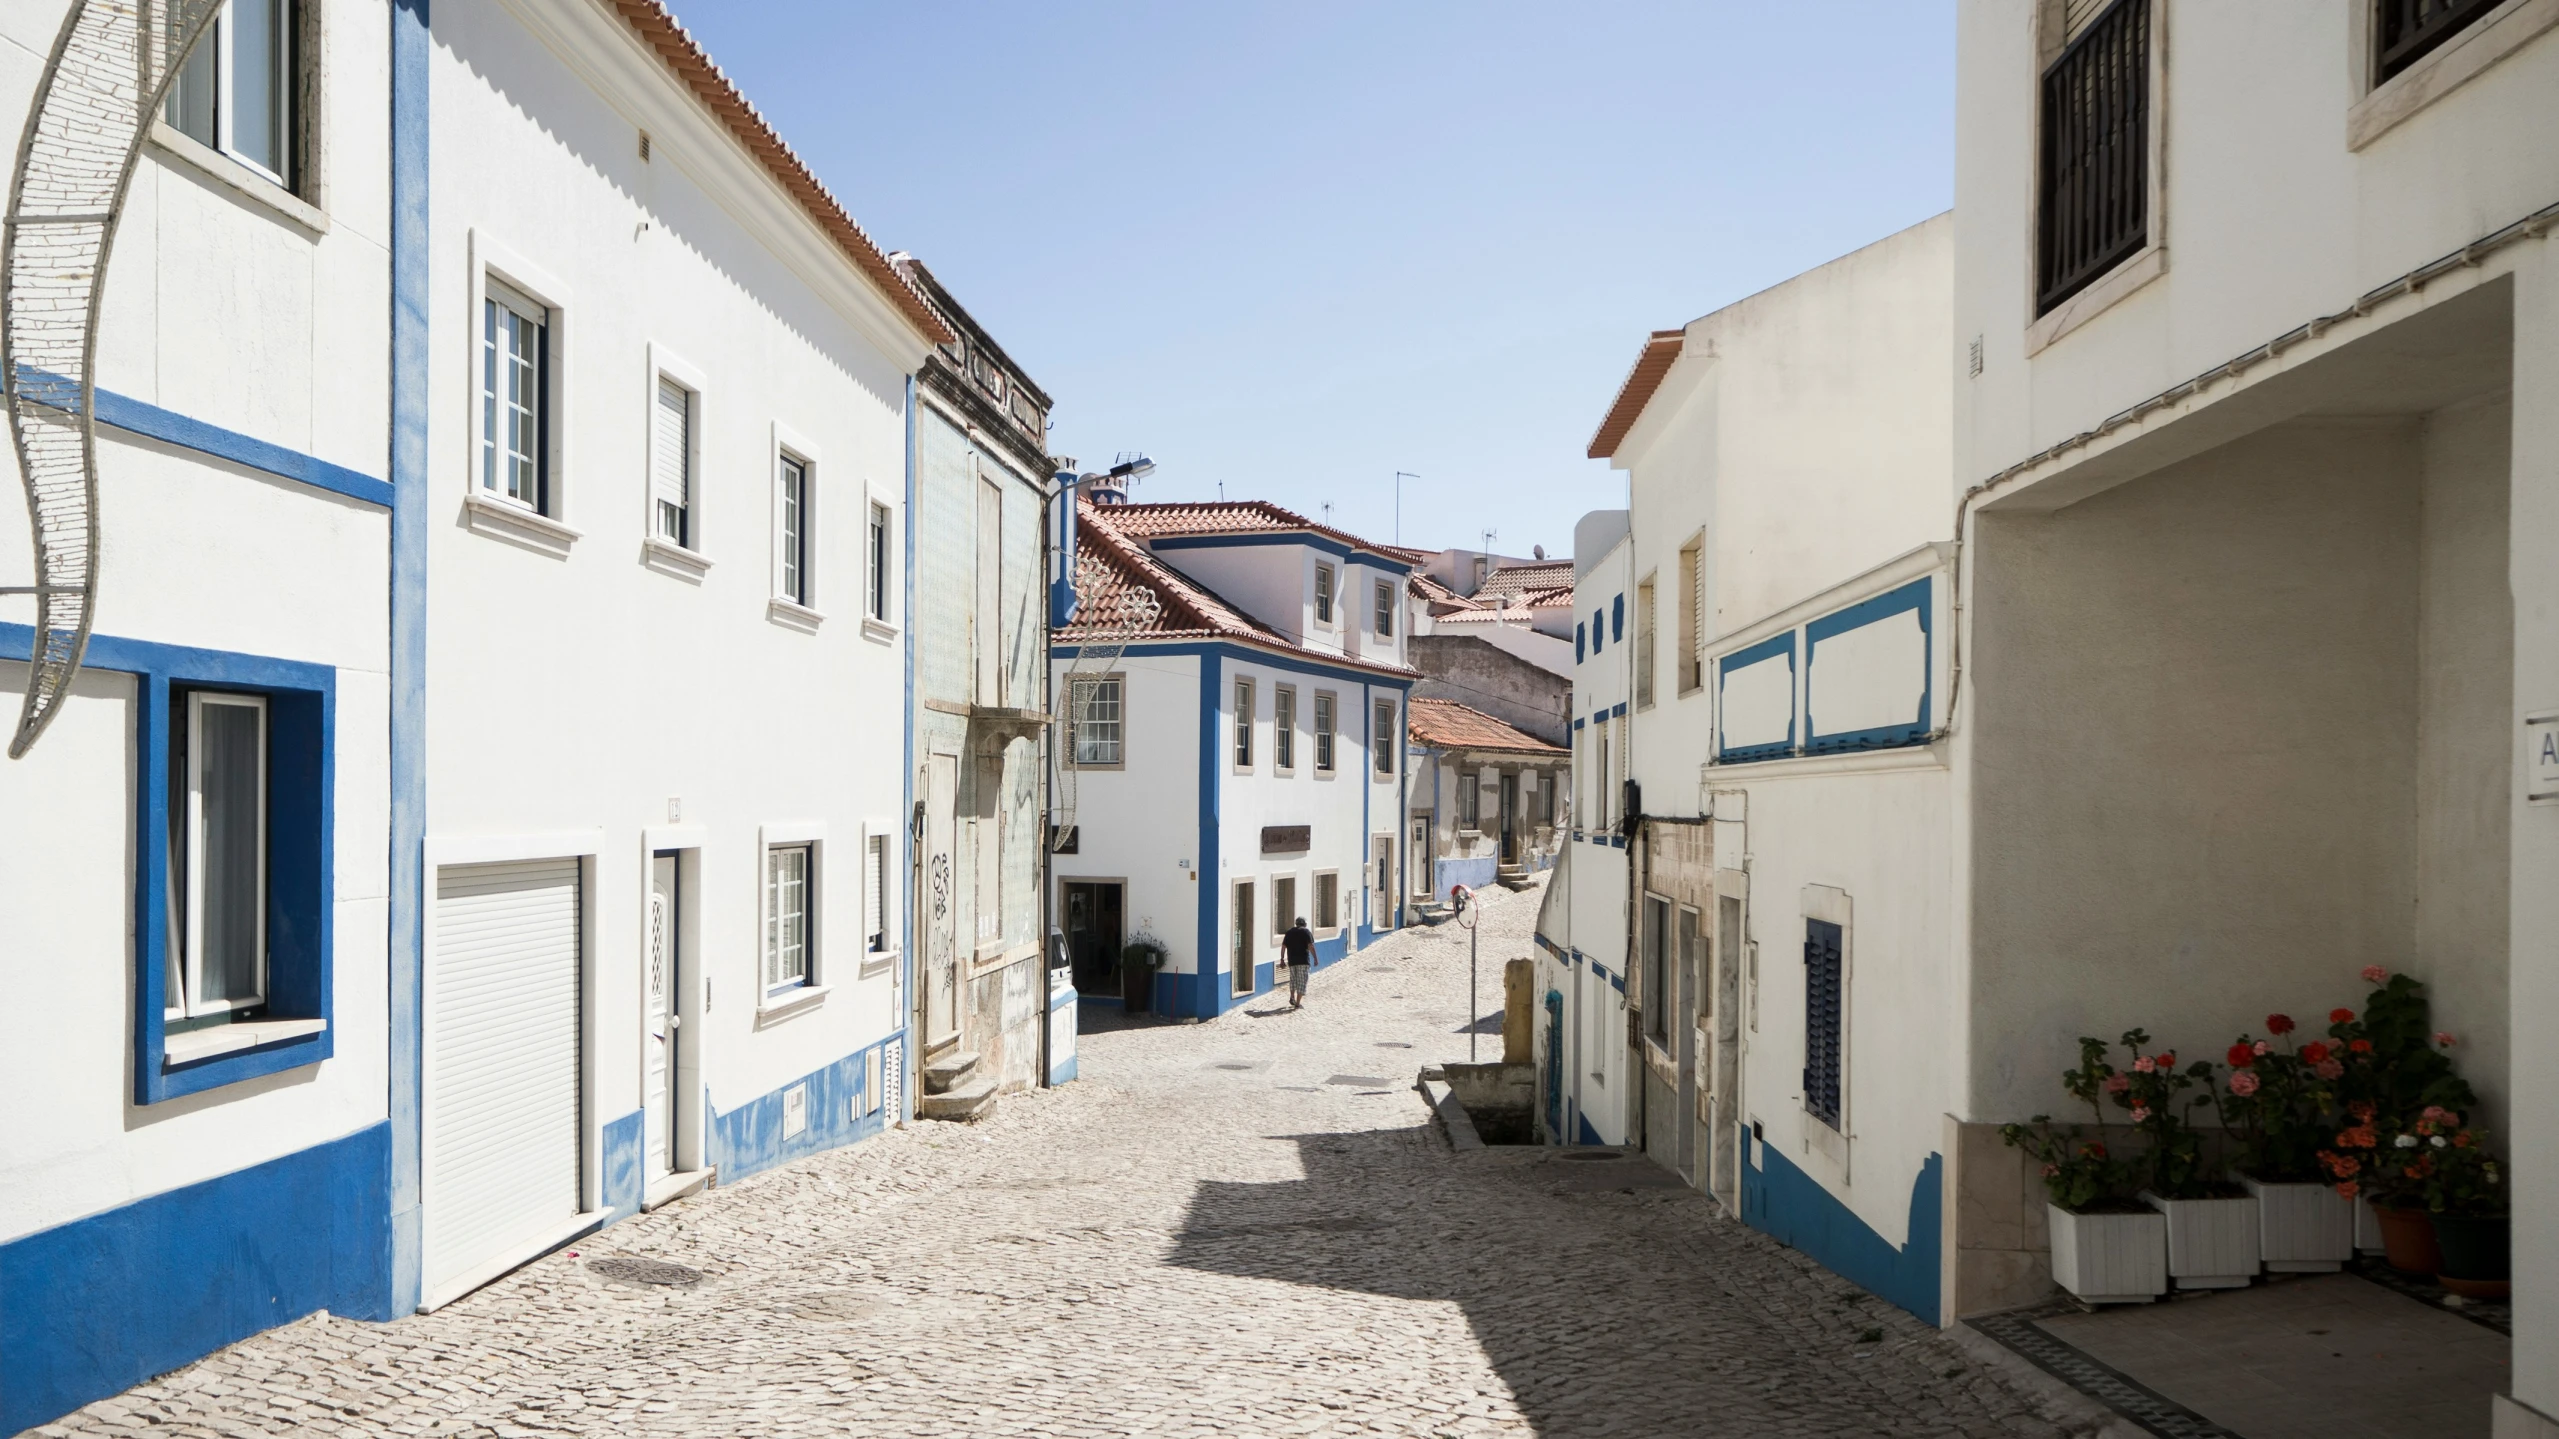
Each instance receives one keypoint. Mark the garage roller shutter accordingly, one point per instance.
(502, 1116)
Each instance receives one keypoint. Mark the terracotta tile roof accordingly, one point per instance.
(1187, 608)
(1433, 592)
(1446, 724)
(1486, 615)
(1520, 581)
(1661, 350)
(1234, 517)
(1547, 600)
(658, 27)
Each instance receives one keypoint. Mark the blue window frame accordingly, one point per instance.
(1779, 651)
(300, 772)
(1912, 597)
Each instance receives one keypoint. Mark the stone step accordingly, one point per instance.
(970, 1101)
(948, 1070)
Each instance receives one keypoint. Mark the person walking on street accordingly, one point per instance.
(1298, 947)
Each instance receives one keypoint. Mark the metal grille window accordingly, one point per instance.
(1823, 973)
(1385, 610)
(1284, 728)
(791, 508)
(235, 92)
(515, 374)
(1243, 724)
(2093, 185)
(879, 563)
(786, 916)
(1381, 737)
(1328, 895)
(2407, 31)
(1323, 732)
(1323, 594)
(1096, 702)
(217, 855)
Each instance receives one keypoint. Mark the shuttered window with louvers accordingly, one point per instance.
(1822, 1000)
(671, 472)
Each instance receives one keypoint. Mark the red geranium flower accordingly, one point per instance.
(2341, 1016)
(2314, 1052)
(2348, 1189)
(2360, 1046)
(2279, 1024)
(2241, 1055)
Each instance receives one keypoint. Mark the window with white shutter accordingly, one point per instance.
(671, 464)
(787, 876)
(875, 893)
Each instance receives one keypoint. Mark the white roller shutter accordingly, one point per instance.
(672, 466)
(502, 1121)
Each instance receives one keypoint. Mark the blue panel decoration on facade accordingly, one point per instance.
(102, 1303)
(1598, 631)
(301, 847)
(1577, 644)
(1912, 597)
(1617, 618)
(624, 1183)
(1777, 650)
(1793, 1208)
(749, 1139)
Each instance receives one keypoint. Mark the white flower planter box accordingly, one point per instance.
(2109, 1258)
(2367, 1228)
(2212, 1243)
(2302, 1228)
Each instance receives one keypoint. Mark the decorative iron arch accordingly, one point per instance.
(107, 76)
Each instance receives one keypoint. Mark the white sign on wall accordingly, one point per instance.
(2541, 757)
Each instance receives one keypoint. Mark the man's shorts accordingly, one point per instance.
(1297, 980)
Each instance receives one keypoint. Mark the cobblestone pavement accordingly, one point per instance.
(1245, 1227)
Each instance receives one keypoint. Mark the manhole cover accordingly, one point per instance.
(630, 1269)
(1358, 1081)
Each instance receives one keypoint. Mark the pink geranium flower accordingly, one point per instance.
(2118, 1083)
(2143, 1065)
(2444, 1038)
(2375, 974)
(2140, 1112)
(2329, 1069)
(2244, 1083)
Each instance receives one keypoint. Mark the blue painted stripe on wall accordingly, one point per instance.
(1793, 1208)
(624, 1186)
(100, 1304)
(408, 459)
(1211, 883)
(748, 1139)
(142, 418)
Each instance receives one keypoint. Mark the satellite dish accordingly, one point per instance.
(106, 78)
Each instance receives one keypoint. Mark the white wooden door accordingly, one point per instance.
(501, 1112)
(658, 1018)
(940, 900)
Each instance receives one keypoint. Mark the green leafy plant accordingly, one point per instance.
(1144, 951)
(2278, 1105)
(2154, 1092)
(2079, 1173)
(2391, 1056)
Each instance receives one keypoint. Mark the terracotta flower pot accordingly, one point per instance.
(2408, 1239)
(2477, 1254)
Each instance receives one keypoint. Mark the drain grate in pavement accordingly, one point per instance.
(631, 1269)
(1359, 1081)
(2111, 1387)
(1586, 1155)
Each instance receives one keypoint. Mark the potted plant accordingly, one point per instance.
(2106, 1248)
(2457, 1183)
(2278, 1104)
(2212, 1223)
(1139, 959)
(2391, 1070)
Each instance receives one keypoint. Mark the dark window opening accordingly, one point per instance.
(2409, 30)
(2093, 174)
(1822, 976)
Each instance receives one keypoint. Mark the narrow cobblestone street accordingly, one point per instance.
(1243, 1227)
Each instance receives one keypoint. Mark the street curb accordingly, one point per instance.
(1443, 1101)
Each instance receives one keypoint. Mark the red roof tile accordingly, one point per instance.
(1520, 581)
(1446, 724)
(1233, 517)
(1660, 352)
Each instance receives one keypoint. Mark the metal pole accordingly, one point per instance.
(1400, 477)
(1474, 1006)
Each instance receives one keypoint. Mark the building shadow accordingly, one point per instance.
(1609, 1297)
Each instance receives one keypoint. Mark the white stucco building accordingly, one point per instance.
(1240, 763)
(193, 858)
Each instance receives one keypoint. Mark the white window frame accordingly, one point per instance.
(1328, 598)
(545, 530)
(1315, 903)
(1075, 737)
(879, 837)
(1324, 723)
(880, 615)
(1283, 730)
(189, 964)
(789, 447)
(1247, 701)
(1384, 623)
(219, 44)
(1281, 918)
(688, 557)
(777, 1000)
(1383, 740)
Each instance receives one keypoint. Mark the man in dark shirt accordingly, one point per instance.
(1298, 947)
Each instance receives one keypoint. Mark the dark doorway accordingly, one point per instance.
(1093, 934)
(1510, 817)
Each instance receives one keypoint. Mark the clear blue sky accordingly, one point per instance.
(1296, 247)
